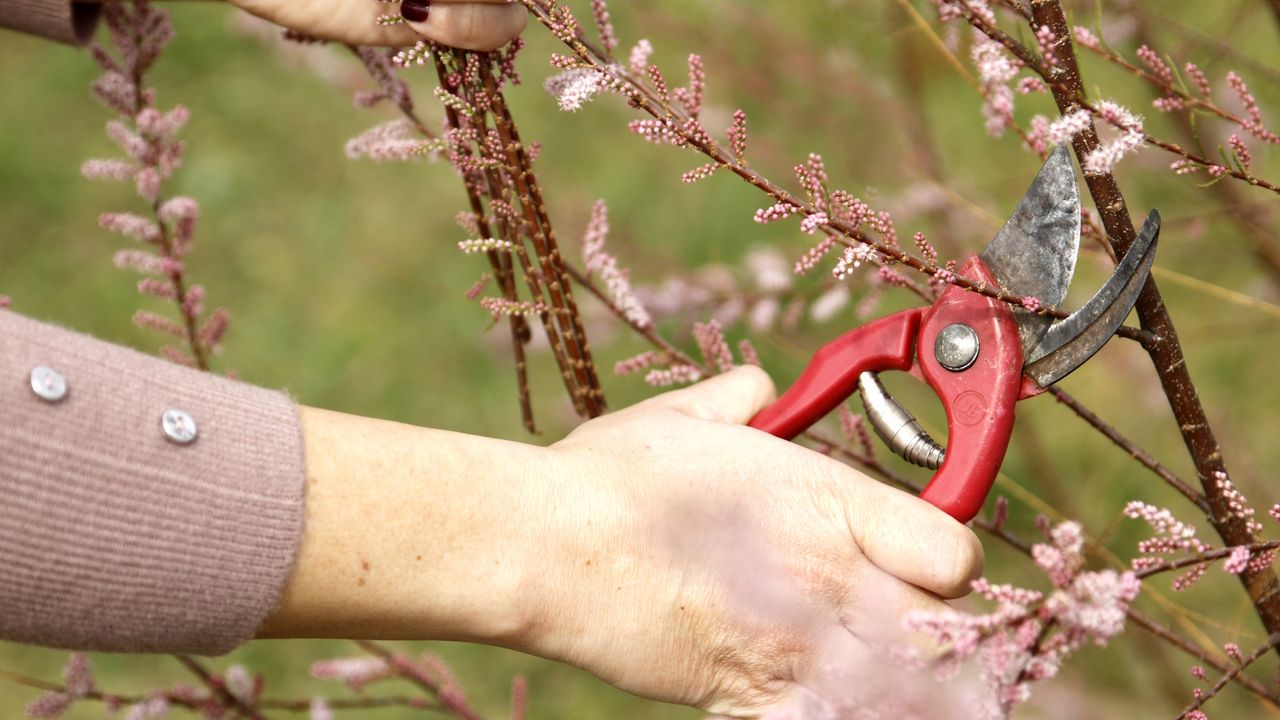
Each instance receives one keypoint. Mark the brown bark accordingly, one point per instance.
(1166, 351)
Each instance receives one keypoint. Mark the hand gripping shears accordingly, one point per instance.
(979, 354)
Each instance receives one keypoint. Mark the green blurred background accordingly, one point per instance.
(347, 289)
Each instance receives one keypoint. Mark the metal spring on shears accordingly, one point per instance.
(897, 426)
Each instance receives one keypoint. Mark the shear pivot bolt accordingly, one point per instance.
(956, 347)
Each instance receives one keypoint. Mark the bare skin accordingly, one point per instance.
(468, 24)
(666, 548)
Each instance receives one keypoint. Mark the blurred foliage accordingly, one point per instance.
(346, 288)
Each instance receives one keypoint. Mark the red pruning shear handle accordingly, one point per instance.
(978, 394)
(980, 355)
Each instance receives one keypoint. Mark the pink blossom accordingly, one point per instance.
(1031, 85)
(1238, 560)
(737, 135)
(711, 343)
(152, 321)
(996, 69)
(691, 96)
(130, 225)
(814, 255)
(1103, 159)
(1062, 559)
(1085, 37)
(748, 353)
(52, 704)
(1065, 128)
(156, 706)
(769, 271)
(356, 672)
(852, 259)
(636, 363)
(640, 54)
(241, 683)
(608, 38)
(1046, 38)
(659, 82)
(146, 262)
(617, 281)
(214, 328)
(182, 212)
(1197, 75)
(855, 430)
(1254, 122)
(147, 184)
(829, 303)
(108, 169)
(320, 710)
(575, 87)
(674, 375)
(1237, 505)
(810, 224)
(1233, 651)
(775, 213)
(503, 306)
(484, 245)
(659, 132)
(1240, 151)
(117, 92)
(394, 140)
(416, 55)
(701, 172)
(1095, 604)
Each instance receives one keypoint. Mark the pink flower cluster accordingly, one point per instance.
(599, 261)
(1131, 137)
(1028, 635)
(996, 70)
(147, 136)
(395, 140)
(1172, 537)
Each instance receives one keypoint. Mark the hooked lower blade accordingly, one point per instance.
(1034, 254)
(1072, 341)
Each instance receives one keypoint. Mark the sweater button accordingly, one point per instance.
(179, 427)
(48, 384)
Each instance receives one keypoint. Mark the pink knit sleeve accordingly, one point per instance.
(61, 20)
(144, 507)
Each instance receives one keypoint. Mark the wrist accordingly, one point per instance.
(413, 533)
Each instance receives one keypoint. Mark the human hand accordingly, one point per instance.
(467, 24)
(690, 559)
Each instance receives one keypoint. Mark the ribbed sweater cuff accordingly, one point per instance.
(112, 536)
(62, 20)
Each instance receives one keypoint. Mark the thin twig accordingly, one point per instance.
(1272, 642)
(218, 688)
(1137, 453)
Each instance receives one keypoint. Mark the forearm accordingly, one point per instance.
(413, 533)
(60, 20)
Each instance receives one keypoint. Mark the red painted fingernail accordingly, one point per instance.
(415, 10)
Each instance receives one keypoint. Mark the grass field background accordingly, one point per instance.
(347, 289)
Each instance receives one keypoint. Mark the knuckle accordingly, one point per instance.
(760, 379)
(960, 564)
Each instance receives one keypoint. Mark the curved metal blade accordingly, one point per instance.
(1034, 254)
(1072, 341)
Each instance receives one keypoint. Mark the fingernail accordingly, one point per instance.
(415, 10)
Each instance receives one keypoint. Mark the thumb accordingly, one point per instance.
(732, 397)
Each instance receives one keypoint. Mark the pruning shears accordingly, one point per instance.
(980, 355)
